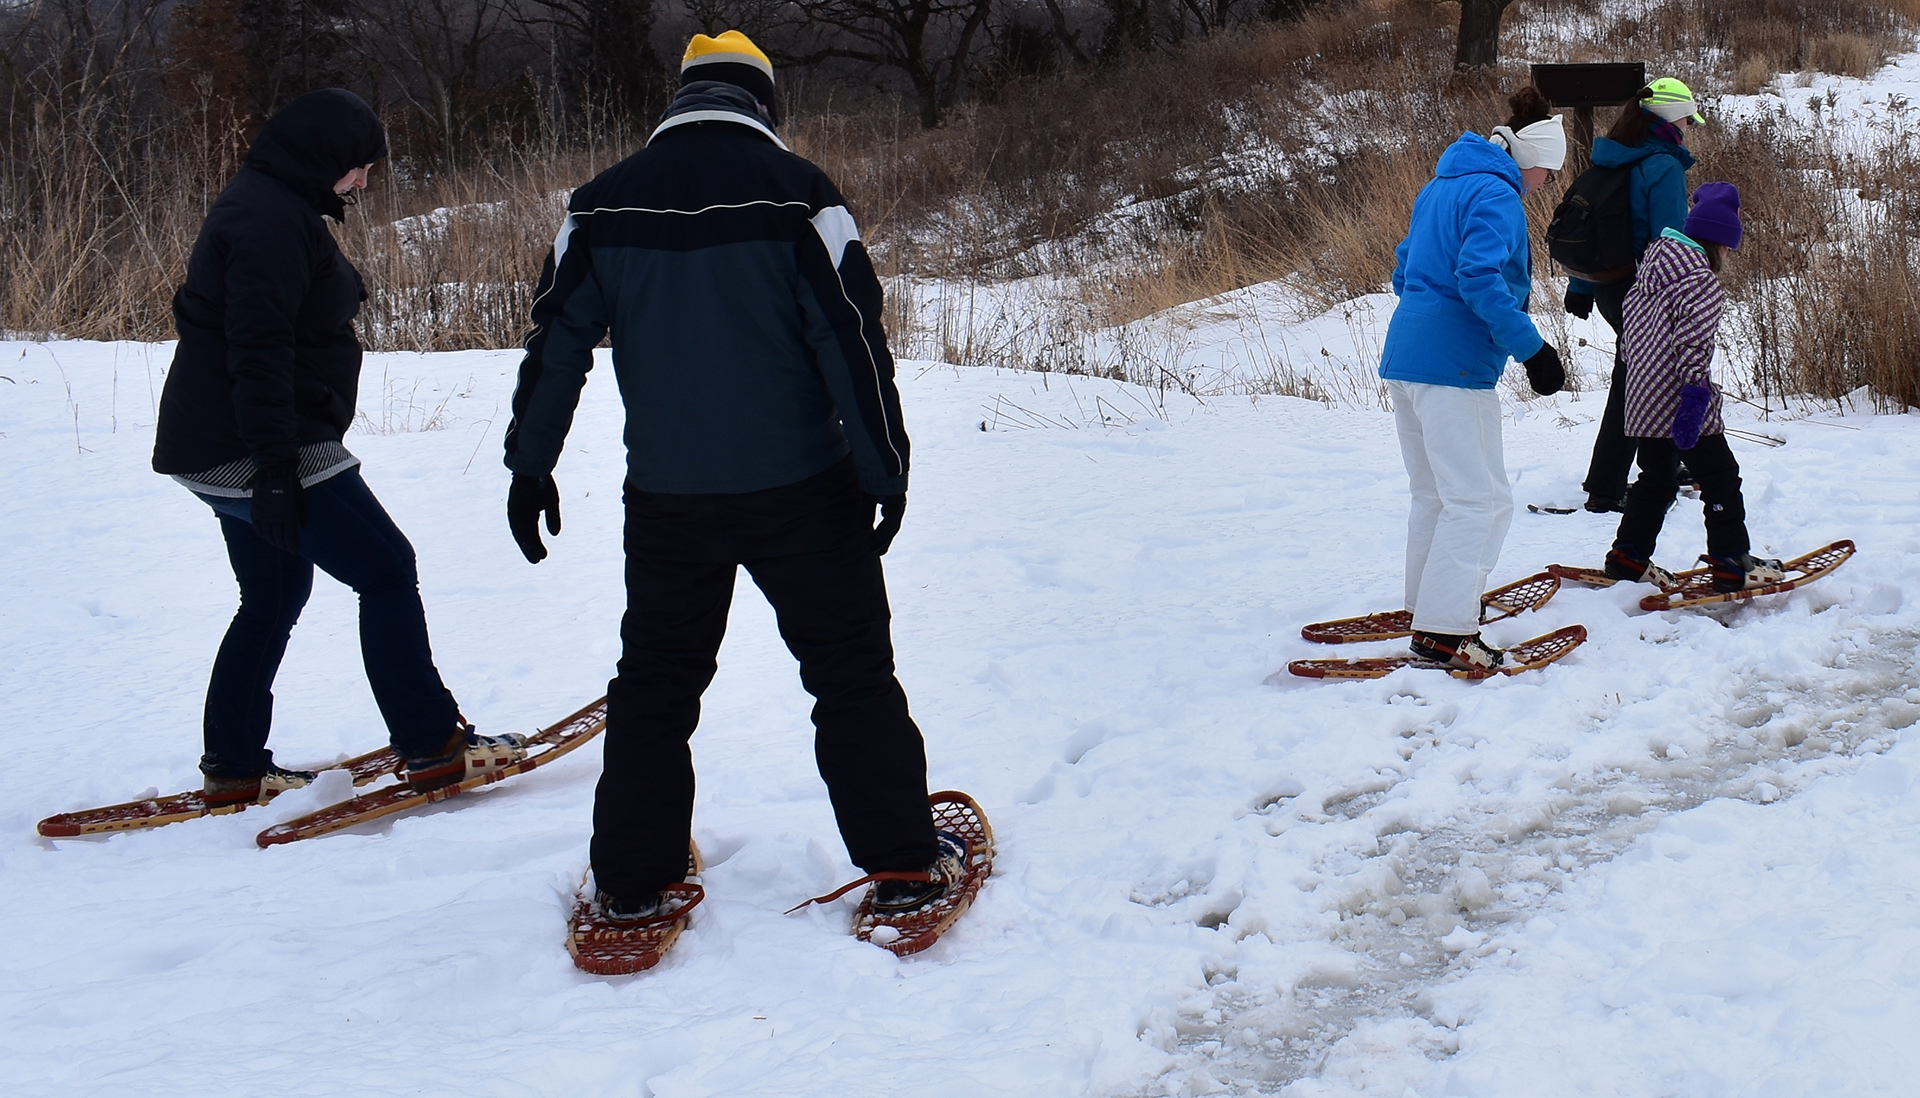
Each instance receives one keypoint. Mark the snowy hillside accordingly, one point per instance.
(1678, 862)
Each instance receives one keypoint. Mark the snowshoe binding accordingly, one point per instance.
(221, 792)
(1623, 564)
(1744, 572)
(1458, 653)
(466, 755)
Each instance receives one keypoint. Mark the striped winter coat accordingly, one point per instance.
(1672, 313)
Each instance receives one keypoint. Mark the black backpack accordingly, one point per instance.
(1591, 234)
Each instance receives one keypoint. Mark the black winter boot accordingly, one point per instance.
(948, 870)
(1460, 653)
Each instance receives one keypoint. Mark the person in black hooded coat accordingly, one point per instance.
(259, 396)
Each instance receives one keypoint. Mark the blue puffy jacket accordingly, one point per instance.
(1464, 273)
(1657, 189)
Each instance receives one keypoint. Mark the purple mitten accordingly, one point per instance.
(1692, 413)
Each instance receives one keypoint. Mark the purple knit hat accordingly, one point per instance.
(1715, 217)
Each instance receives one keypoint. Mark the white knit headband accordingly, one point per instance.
(1540, 145)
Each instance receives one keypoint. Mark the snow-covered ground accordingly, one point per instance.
(1679, 862)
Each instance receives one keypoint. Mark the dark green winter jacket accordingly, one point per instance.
(744, 315)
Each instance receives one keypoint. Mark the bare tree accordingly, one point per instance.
(929, 42)
(448, 60)
(1479, 42)
(609, 51)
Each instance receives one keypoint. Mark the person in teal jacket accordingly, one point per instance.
(1648, 138)
(1463, 275)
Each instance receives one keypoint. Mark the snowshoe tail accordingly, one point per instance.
(1585, 577)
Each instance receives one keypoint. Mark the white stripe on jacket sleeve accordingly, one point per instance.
(560, 240)
(837, 230)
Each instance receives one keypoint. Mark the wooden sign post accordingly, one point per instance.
(1584, 87)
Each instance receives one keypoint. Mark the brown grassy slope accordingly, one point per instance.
(1358, 99)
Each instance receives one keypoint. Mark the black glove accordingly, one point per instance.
(279, 506)
(526, 499)
(1579, 304)
(892, 510)
(1544, 371)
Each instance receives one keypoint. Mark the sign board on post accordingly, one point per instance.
(1584, 87)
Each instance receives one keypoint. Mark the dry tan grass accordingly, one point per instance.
(93, 238)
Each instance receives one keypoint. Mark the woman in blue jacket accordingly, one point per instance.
(1647, 138)
(1463, 277)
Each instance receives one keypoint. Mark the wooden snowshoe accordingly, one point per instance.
(606, 947)
(543, 747)
(910, 932)
(1696, 586)
(1498, 604)
(1525, 656)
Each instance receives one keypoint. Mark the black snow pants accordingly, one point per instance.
(806, 547)
(1613, 450)
(1712, 461)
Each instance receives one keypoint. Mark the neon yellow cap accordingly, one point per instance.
(1671, 101)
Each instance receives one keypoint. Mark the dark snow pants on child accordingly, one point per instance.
(1712, 461)
(349, 536)
(806, 547)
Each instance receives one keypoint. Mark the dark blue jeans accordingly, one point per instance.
(349, 536)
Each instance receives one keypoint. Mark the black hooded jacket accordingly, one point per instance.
(268, 361)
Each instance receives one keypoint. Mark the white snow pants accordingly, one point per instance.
(1462, 504)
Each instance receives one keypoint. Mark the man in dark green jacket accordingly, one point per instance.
(762, 427)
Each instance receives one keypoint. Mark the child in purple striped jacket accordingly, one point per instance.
(1673, 406)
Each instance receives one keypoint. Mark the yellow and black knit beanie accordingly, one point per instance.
(732, 58)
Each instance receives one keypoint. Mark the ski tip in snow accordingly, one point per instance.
(1550, 509)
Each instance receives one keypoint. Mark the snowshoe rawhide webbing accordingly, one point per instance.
(620, 947)
(912, 931)
(191, 805)
(1498, 604)
(543, 747)
(1525, 656)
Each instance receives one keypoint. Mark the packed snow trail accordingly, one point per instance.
(1087, 617)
